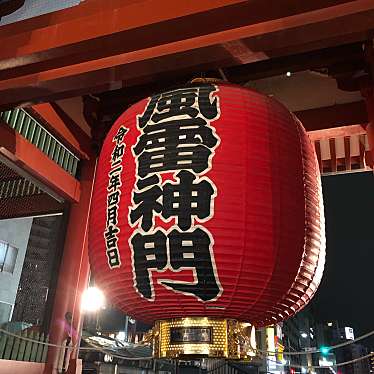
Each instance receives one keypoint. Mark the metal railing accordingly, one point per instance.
(228, 367)
(18, 188)
(12, 348)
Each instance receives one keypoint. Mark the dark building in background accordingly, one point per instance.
(299, 335)
(352, 352)
(303, 333)
(38, 271)
(331, 333)
(291, 339)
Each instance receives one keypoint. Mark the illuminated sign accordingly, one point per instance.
(191, 335)
(324, 362)
(349, 333)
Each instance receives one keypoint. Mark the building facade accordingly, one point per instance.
(14, 236)
(332, 333)
(33, 300)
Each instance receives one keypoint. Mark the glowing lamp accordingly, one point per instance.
(92, 299)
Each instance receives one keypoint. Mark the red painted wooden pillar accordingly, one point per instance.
(74, 269)
(368, 94)
(370, 132)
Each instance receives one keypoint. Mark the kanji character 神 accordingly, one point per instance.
(147, 202)
(186, 199)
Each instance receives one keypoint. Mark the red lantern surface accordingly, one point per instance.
(207, 202)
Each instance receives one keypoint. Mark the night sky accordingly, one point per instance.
(346, 292)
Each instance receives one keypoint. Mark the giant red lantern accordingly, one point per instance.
(207, 202)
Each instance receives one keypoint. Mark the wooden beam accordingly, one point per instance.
(28, 161)
(334, 163)
(60, 124)
(347, 153)
(368, 93)
(317, 146)
(57, 56)
(337, 132)
(312, 60)
(362, 151)
(110, 20)
(370, 132)
(333, 116)
(124, 26)
(344, 147)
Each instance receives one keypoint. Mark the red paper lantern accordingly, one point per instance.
(207, 202)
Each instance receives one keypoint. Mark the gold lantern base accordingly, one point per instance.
(203, 337)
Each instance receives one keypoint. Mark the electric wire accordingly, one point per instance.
(326, 366)
(300, 353)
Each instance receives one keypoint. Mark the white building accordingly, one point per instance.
(14, 236)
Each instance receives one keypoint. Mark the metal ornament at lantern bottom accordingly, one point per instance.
(203, 337)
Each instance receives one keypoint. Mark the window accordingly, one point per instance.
(8, 257)
(5, 312)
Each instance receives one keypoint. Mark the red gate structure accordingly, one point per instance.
(66, 76)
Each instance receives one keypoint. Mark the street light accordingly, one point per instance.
(304, 335)
(92, 299)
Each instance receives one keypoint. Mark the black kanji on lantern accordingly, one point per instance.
(112, 215)
(111, 240)
(113, 199)
(175, 136)
(186, 199)
(122, 131)
(175, 145)
(117, 153)
(191, 251)
(185, 251)
(149, 253)
(115, 179)
(183, 102)
(147, 202)
(183, 200)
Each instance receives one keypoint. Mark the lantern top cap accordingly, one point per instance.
(206, 80)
